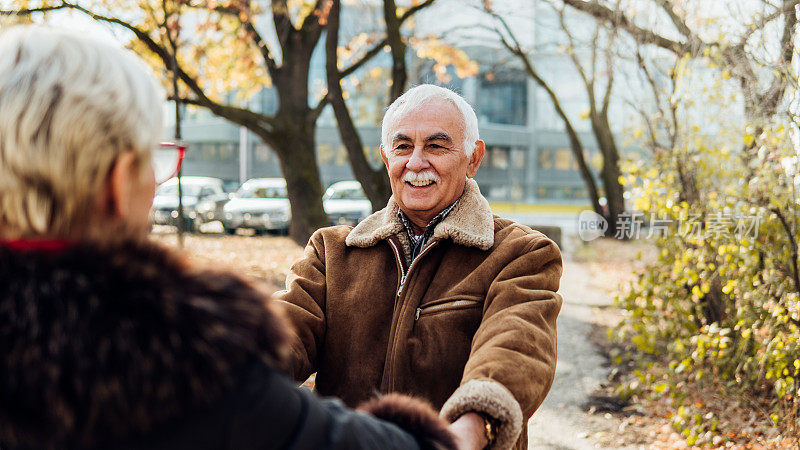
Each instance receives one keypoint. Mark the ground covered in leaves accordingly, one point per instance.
(656, 421)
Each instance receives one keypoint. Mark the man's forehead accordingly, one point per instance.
(437, 117)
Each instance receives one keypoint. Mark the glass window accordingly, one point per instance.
(325, 153)
(502, 98)
(209, 152)
(546, 159)
(563, 159)
(264, 192)
(226, 151)
(341, 155)
(518, 158)
(517, 192)
(499, 157)
(498, 191)
(596, 160)
(261, 153)
(373, 154)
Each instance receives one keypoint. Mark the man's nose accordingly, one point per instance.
(417, 161)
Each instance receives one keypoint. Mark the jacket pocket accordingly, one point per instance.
(452, 305)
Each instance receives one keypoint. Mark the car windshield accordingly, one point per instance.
(345, 194)
(189, 190)
(263, 192)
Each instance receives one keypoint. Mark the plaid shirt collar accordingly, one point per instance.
(419, 242)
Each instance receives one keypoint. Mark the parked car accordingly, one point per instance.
(203, 201)
(346, 204)
(261, 204)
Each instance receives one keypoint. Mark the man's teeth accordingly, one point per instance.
(420, 183)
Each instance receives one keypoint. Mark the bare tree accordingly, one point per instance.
(599, 100)
(374, 181)
(290, 131)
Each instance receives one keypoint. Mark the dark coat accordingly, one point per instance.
(129, 347)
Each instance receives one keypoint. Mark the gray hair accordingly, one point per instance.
(69, 106)
(424, 93)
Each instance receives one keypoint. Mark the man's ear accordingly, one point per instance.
(475, 158)
(384, 158)
(120, 183)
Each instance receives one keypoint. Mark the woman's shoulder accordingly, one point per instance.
(105, 340)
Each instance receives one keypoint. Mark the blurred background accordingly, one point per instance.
(655, 140)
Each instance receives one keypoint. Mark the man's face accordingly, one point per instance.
(426, 161)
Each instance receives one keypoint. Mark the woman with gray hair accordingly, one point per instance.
(107, 340)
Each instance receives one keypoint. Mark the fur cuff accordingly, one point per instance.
(415, 417)
(491, 398)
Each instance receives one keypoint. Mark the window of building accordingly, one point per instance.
(595, 160)
(499, 157)
(373, 155)
(546, 159)
(325, 154)
(517, 192)
(502, 98)
(563, 159)
(261, 153)
(341, 155)
(542, 192)
(518, 158)
(226, 151)
(498, 192)
(209, 152)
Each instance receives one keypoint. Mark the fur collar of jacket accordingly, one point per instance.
(103, 341)
(470, 223)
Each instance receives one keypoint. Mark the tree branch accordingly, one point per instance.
(372, 52)
(617, 18)
(678, 21)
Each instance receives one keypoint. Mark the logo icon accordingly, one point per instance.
(591, 225)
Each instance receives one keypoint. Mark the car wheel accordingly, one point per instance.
(230, 231)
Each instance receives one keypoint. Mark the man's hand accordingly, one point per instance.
(470, 432)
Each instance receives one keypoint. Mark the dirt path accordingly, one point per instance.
(562, 421)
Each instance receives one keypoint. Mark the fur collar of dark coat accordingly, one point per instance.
(98, 342)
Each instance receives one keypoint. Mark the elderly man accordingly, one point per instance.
(433, 295)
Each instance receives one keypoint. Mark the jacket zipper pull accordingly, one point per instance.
(416, 316)
(402, 282)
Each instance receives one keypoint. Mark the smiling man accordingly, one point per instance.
(433, 295)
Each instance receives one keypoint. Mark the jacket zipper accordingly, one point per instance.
(403, 277)
(400, 266)
(457, 304)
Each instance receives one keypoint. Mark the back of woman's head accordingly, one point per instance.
(69, 107)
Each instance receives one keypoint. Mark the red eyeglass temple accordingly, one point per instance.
(181, 154)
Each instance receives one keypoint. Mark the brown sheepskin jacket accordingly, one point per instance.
(129, 347)
(470, 325)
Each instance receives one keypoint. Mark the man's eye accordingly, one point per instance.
(402, 147)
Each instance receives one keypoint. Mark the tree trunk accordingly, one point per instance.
(295, 150)
(293, 136)
(610, 173)
(374, 182)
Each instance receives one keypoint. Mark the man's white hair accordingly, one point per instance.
(424, 93)
(69, 106)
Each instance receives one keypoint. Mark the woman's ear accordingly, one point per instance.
(121, 182)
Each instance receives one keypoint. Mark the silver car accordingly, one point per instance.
(261, 204)
(203, 201)
(345, 203)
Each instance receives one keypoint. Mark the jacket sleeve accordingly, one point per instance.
(304, 304)
(270, 412)
(513, 355)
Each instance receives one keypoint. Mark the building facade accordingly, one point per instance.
(528, 156)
